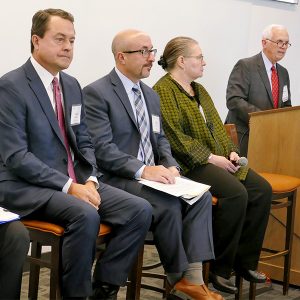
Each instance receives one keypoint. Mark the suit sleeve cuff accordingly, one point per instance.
(67, 186)
(138, 174)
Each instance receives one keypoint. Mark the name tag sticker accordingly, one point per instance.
(285, 94)
(75, 114)
(156, 124)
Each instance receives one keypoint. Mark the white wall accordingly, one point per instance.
(226, 30)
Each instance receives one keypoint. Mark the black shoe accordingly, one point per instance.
(252, 276)
(222, 284)
(104, 291)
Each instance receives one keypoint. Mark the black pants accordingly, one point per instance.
(14, 245)
(240, 218)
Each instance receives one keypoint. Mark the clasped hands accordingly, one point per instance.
(86, 192)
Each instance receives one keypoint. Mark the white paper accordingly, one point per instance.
(189, 190)
(7, 216)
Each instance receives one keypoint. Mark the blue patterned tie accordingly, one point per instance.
(143, 127)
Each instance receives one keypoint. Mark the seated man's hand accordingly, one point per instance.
(86, 192)
(159, 174)
(174, 171)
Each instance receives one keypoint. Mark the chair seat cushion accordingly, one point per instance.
(56, 229)
(281, 183)
(44, 226)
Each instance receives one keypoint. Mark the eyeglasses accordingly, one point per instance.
(145, 52)
(199, 57)
(281, 43)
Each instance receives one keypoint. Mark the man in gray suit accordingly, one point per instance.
(259, 83)
(123, 115)
(48, 167)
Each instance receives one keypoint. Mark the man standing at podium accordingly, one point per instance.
(259, 83)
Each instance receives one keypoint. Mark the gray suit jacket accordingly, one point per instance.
(33, 159)
(249, 90)
(114, 129)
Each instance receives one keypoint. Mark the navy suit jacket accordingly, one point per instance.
(33, 158)
(114, 129)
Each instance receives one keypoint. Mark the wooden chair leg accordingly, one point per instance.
(252, 291)
(34, 275)
(205, 266)
(290, 218)
(135, 277)
(239, 285)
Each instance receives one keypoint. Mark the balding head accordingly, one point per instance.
(124, 40)
(128, 47)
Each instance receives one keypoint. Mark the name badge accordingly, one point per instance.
(156, 124)
(285, 94)
(75, 114)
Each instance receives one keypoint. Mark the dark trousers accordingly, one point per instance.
(182, 233)
(14, 245)
(243, 139)
(130, 217)
(240, 218)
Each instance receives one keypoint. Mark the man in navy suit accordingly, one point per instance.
(251, 83)
(48, 167)
(123, 116)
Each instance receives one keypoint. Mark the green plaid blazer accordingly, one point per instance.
(192, 137)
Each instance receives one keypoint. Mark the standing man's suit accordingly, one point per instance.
(249, 90)
(33, 172)
(182, 233)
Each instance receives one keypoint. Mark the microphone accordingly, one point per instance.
(242, 162)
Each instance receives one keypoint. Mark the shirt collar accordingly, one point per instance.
(45, 76)
(128, 84)
(267, 62)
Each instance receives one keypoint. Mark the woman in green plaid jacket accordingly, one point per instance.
(205, 153)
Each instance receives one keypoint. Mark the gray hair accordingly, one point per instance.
(267, 32)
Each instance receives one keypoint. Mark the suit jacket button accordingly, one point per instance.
(65, 161)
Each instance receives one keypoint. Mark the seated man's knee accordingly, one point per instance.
(143, 211)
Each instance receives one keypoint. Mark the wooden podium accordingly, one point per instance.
(274, 147)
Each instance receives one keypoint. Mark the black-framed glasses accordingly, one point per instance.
(145, 52)
(281, 43)
(199, 57)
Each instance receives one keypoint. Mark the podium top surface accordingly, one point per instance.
(274, 111)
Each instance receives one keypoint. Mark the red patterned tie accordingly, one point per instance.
(61, 123)
(275, 86)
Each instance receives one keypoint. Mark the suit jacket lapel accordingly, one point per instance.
(40, 92)
(147, 97)
(151, 111)
(122, 95)
(264, 76)
(280, 79)
(67, 94)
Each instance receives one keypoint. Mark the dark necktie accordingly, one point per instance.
(275, 86)
(143, 127)
(61, 123)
